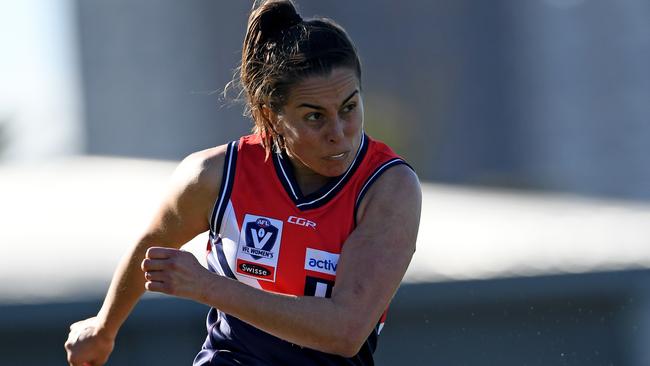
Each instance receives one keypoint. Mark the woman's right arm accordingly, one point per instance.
(193, 190)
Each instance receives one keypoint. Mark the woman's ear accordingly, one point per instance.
(272, 118)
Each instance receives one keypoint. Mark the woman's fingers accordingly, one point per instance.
(171, 271)
(81, 323)
(156, 286)
(154, 264)
(157, 281)
(75, 325)
(154, 271)
(159, 259)
(156, 276)
(160, 253)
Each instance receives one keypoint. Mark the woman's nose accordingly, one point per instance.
(335, 131)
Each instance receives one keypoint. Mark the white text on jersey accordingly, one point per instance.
(302, 222)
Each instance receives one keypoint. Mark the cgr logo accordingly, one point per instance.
(301, 222)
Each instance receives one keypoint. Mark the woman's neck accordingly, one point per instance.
(308, 180)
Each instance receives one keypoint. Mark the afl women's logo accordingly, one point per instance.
(261, 236)
(259, 247)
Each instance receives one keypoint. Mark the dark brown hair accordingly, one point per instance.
(281, 49)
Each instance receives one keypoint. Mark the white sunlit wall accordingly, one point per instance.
(40, 107)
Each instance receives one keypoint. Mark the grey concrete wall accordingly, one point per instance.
(153, 72)
(541, 94)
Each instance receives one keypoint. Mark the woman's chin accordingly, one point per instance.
(334, 169)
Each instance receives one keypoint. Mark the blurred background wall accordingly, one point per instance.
(548, 94)
(537, 96)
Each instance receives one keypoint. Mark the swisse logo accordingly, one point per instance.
(258, 271)
(321, 261)
(254, 269)
(301, 222)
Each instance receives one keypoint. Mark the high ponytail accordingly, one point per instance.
(268, 20)
(280, 49)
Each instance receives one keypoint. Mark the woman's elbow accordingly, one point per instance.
(349, 341)
(349, 350)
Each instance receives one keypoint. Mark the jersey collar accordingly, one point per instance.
(285, 173)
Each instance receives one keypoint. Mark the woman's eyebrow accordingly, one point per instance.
(350, 97)
(313, 106)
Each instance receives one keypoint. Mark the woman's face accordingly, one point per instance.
(322, 123)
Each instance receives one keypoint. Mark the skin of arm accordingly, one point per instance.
(371, 266)
(182, 215)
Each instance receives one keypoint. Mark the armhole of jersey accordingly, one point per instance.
(227, 179)
(373, 177)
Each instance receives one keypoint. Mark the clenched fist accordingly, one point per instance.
(86, 345)
(174, 272)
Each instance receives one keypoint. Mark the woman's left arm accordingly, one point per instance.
(371, 266)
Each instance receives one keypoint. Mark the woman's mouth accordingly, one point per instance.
(337, 156)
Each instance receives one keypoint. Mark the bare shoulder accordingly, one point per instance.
(396, 192)
(187, 205)
(201, 170)
(198, 178)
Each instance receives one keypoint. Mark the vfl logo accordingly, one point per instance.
(260, 238)
(301, 222)
(259, 247)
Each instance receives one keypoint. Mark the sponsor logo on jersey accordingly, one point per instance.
(321, 261)
(256, 270)
(301, 222)
(260, 238)
(259, 247)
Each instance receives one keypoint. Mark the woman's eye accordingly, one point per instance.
(350, 107)
(314, 116)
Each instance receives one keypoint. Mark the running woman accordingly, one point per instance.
(312, 223)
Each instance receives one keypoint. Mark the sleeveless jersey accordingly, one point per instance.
(265, 233)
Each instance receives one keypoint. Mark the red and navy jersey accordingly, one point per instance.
(265, 233)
